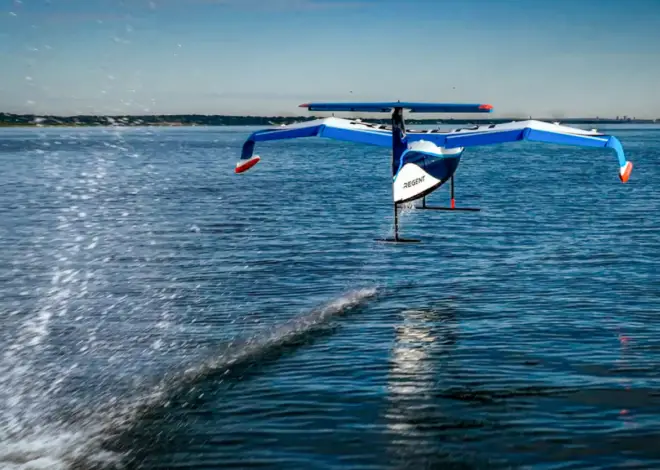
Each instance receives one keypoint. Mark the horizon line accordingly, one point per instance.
(385, 115)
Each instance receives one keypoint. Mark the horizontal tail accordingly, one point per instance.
(389, 106)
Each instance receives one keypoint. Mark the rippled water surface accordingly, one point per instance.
(159, 311)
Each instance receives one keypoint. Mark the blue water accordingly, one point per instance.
(159, 311)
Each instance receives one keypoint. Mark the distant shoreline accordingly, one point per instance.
(31, 120)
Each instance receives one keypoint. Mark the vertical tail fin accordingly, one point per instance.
(399, 139)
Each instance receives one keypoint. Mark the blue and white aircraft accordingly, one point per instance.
(423, 160)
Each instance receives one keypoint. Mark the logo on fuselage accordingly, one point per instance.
(415, 182)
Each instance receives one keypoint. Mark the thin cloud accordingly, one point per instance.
(64, 17)
(290, 5)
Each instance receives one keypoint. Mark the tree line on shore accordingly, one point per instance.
(7, 119)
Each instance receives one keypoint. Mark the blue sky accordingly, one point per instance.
(540, 58)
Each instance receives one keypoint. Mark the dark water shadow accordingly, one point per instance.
(157, 421)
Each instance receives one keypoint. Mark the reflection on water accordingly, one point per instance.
(422, 338)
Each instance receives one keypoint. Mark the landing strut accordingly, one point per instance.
(396, 238)
(453, 202)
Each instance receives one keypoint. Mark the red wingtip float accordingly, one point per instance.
(424, 160)
(245, 165)
(624, 172)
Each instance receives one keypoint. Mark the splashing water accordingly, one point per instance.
(72, 373)
(61, 445)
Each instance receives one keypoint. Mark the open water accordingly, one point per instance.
(158, 311)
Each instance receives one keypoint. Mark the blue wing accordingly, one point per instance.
(381, 135)
(331, 128)
(531, 130)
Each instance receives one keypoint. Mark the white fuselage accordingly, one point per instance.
(413, 181)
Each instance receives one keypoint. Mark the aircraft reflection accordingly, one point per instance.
(424, 342)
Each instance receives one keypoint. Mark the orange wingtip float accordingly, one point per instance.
(245, 165)
(624, 172)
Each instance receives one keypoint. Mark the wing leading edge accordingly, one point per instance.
(331, 128)
(381, 135)
(535, 131)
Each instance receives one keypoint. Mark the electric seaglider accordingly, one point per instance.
(423, 160)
